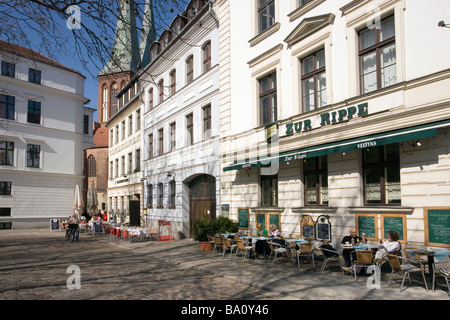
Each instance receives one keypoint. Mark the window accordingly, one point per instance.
(207, 122)
(207, 57)
(116, 169)
(303, 2)
(172, 136)
(138, 119)
(160, 142)
(33, 155)
(85, 124)
(7, 106)
(130, 124)
(8, 69)
(111, 170)
(381, 174)
(266, 14)
(150, 146)
(5, 212)
(150, 93)
(92, 166)
(149, 195)
(161, 90)
(189, 69)
(34, 112)
(268, 99)
(269, 191)
(137, 155)
(377, 54)
(314, 81)
(5, 188)
(316, 181)
(117, 133)
(114, 100)
(130, 163)
(34, 76)
(160, 195)
(123, 129)
(172, 187)
(6, 153)
(173, 81)
(122, 165)
(189, 130)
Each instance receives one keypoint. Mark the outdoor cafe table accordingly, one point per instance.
(439, 255)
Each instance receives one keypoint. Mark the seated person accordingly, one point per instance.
(260, 231)
(391, 246)
(353, 238)
(274, 232)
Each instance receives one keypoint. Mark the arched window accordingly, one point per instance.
(160, 195)
(207, 56)
(161, 90)
(114, 101)
(173, 81)
(92, 166)
(189, 69)
(150, 93)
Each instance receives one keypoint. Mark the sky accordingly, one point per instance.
(91, 83)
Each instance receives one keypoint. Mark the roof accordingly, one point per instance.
(33, 55)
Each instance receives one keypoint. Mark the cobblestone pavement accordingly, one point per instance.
(33, 266)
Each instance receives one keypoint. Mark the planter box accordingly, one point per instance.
(206, 246)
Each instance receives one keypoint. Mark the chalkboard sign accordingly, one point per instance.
(323, 228)
(367, 224)
(243, 218)
(98, 227)
(437, 226)
(274, 218)
(54, 224)
(394, 222)
(261, 218)
(307, 227)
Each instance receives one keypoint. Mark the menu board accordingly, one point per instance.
(323, 231)
(54, 224)
(437, 226)
(243, 218)
(307, 227)
(368, 224)
(394, 222)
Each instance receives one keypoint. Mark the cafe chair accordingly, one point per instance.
(404, 269)
(442, 269)
(211, 241)
(275, 251)
(240, 246)
(331, 255)
(218, 244)
(305, 250)
(364, 258)
(228, 246)
(417, 260)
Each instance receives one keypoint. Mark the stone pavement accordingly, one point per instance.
(33, 266)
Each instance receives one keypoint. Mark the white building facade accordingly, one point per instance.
(181, 121)
(44, 128)
(337, 111)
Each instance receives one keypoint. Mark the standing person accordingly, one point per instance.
(353, 239)
(75, 221)
(105, 216)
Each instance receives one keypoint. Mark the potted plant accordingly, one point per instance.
(203, 228)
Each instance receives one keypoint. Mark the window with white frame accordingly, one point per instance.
(266, 14)
(377, 55)
(314, 82)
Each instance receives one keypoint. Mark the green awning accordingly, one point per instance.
(369, 141)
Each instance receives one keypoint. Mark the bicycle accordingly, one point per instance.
(71, 232)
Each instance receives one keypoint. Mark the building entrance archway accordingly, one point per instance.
(202, 199)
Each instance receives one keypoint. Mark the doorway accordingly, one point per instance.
(202, 199)
(135, 213)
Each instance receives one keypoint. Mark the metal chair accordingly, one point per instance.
(331, 255)
(364, 258)
(305, 250)
(404, 269)
(275, 251)
(240, 246)
(228, 246)
(442, 269)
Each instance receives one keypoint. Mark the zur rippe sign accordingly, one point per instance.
(328, 118)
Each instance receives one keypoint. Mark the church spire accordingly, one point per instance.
(148, 34)
(125, 56)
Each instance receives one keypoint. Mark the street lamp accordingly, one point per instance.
(443, 24)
